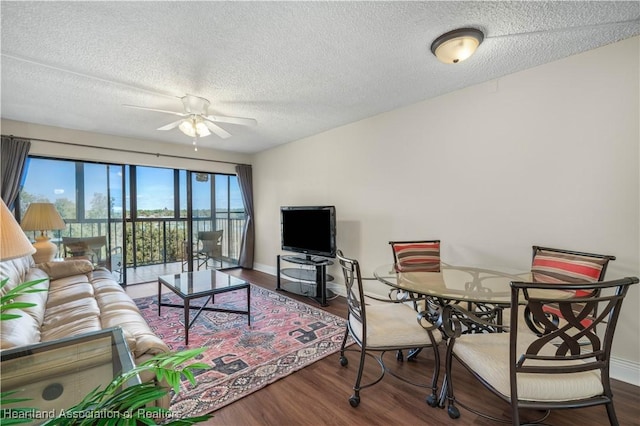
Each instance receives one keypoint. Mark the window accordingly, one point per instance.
(50, 181)
(142, 209)
(95, 184)
(155, 192)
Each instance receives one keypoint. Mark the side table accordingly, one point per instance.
(57, 375)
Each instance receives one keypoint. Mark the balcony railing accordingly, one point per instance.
(157, 240)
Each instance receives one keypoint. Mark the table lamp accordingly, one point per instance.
(43, 217)
(13, 242)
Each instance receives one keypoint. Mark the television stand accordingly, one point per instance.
(317, 278)
(305, 260)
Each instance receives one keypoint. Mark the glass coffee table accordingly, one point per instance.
(197, 284)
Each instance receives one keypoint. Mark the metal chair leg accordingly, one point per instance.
(343, 359)
(355, 398)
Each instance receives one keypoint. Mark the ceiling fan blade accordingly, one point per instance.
(233, 120)
(170, 125)
(216, 129)
(181, 114)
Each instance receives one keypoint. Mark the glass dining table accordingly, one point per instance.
(461, 283)
(483, 291)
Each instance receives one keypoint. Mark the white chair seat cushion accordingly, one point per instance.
(393, 325)
(488, 356)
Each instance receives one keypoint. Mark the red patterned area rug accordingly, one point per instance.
(285, 335)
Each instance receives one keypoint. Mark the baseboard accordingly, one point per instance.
(625, 371)
(271, 270)
(620, 369)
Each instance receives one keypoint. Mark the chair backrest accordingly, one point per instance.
(355, 293)
(81, 246)
(211, 242)
(551, 265)
(416, 256)
(560, 348)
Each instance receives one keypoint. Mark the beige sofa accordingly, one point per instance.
(78, 299)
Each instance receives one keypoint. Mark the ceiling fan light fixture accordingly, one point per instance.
(457, 45)
(193, 127)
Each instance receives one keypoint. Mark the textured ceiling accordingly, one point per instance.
(298, 68)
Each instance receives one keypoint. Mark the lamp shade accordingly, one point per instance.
(457, 45)
(13, 242)
(42, 217)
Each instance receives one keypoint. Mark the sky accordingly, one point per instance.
(55, 179)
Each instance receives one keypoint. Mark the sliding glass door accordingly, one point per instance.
(217, 212)
(147, 215)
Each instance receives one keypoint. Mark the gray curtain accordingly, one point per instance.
(13, 156)
(245, 180)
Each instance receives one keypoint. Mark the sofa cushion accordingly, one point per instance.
(21, 331)
(115, 301)
(73, 317)
(102, 281)
(70, 312)
(24, 330)
(69, 268)
(139, 336)
(82, 325)
(16, 271)
(72, 290)
(38, 298)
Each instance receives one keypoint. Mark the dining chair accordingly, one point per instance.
(209, 247)
(414, 256)
(550, 370)
(381, 325)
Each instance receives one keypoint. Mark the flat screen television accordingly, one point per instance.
(309, 229)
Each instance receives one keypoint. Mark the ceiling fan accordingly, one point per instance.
(196, 121)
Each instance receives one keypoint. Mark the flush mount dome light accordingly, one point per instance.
(457, 45)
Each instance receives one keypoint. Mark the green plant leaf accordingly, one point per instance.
(7, 300)
(18, 305)
(5, 317)
(13, 421)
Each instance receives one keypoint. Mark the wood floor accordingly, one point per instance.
(319, 394)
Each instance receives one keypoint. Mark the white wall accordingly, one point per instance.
(167, 158)
(547, 156)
